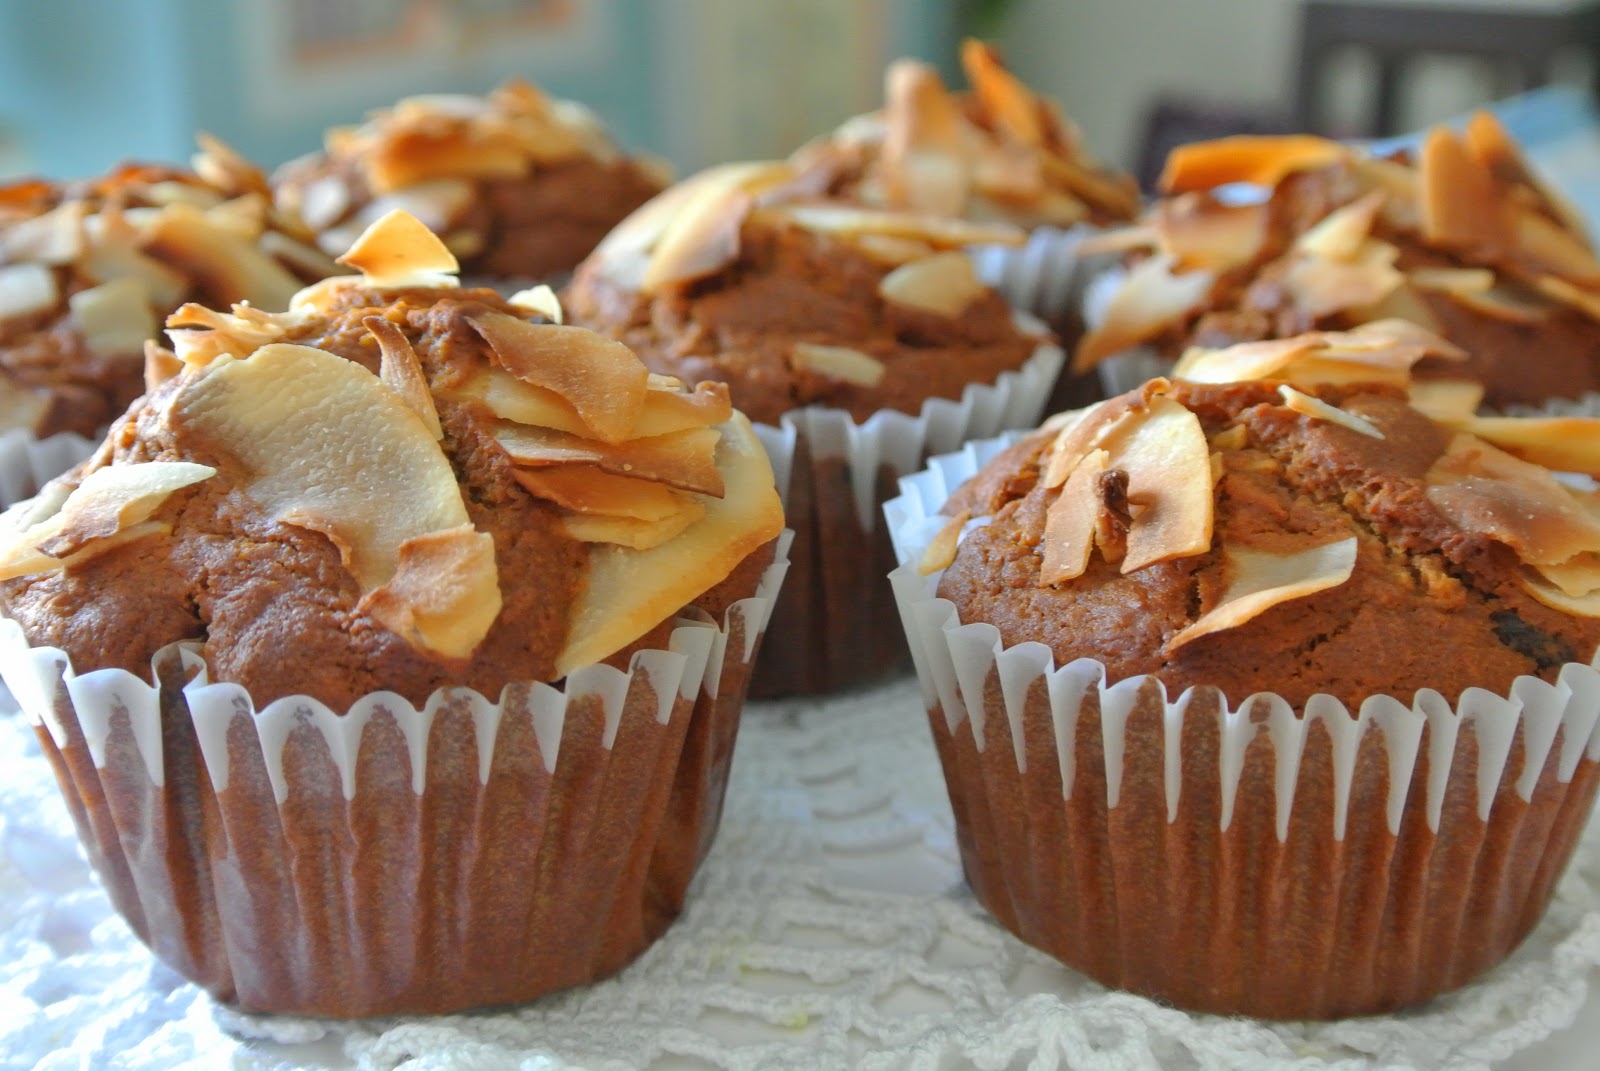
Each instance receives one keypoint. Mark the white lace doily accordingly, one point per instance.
(829, 928)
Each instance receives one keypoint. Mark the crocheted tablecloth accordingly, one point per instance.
(829, 928)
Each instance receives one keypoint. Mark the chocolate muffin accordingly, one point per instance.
(88, 271)
(815, 313)
(1318, 742)
(997, 152)
(519, 184)
(412, 585)
(1461, 238)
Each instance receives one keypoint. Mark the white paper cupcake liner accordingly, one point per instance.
(393, 859)
(836, 624)
(1244, 858)
(28, 463)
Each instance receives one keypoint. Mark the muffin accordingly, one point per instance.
(1460, 237)
(1265, 693)
(390, 653)
(857, 338)
(88, 270)
(998, 152)
(519, 184)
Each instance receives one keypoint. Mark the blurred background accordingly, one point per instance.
(84, 83)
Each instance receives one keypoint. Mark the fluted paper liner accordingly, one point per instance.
(1048, 276)
(28, 463)
(1244, 858)
(836, 623)
(395, 860)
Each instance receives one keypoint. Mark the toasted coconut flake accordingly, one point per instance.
(590, 489)
(110, 501)
(1168, 463)
(444, 595)
(1392, 343)
(1404, 302)
(938, 231)
(1014, 108)
(511, 399)
(1552, 596)
(1260, 580)
(228, 267)
(1260, 161)
(1317, 409)
(1565, 444)
(233, 336)
(701, 234)
(1151, 299)
(1576, 578)
(1483, 489)
(1504, 303)
(682, 459)
(401, 372)
(944, 284)
(1119, 241)
(114, 318)
(115, 259)
(1446, 399)
(631, 532)
(1088, 428)
(1343, 233)
(27, 290)
(298, 257)
(539, 299)
(838, 362)
(923, 163)
(1245, 361)
(55, 237)
(1461, 208)
(1585, 301)
(1199, 233)
(630, 592)
(220, 165)
(941, 550)
(887, 249)
(599, 377)
(1544, 247)
(399, 251)
(1323, 287)
(1069, 527)
(300, 421)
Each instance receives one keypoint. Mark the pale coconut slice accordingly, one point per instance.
(1344, 232)
(1317, 409)
(539, 299)
(401, 371)
(228, 265)
(630, 592)
(112, 501)
(1260, 161)
(1577, 578)
(1481, 488)
(941, 549)
(944, 284)
(942, 232)
(683, 459)
(599, 377)
(1201, 234)
(54, 238)
(399, 251)
(1070, 521)
(838, 362)
(1168, 463)
(1260, 580)
(631, 532)
(299, 422)
(1585, 301)
(1505, 304)
(114, 318)
(665, 410)
(200, 335)
(1404, 302)
(1446, 399)
(922, 147)
(1323, 287)
(1152, 298)
(1553, 596)
(1564, 444)
(701, 235)
(1122, 240)
(1452, 280)
(1244, 362)
(27, 290)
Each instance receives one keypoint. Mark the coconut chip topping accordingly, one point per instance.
(669, 485)
(426, 154)
(1511, 247)
(109, 258)
(998, 152)
(1134, 479)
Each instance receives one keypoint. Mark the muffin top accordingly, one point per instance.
(88, 270)
(396, 485)
(1287, 521)
(744, 275)
(998, 152)
(1461, 238)
(517, 183)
